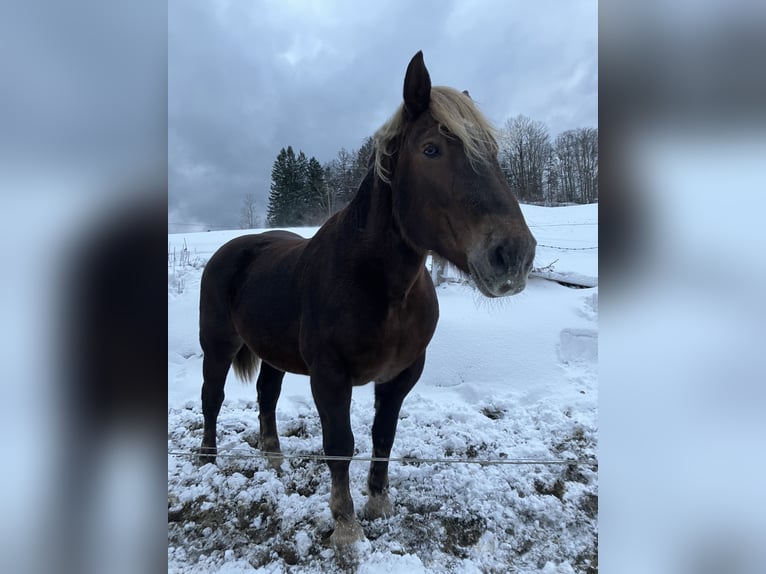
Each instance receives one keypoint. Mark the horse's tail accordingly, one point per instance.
(245, 364)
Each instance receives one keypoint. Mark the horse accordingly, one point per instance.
(355, 303)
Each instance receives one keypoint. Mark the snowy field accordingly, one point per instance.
(503, 381)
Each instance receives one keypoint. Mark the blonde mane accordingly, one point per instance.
(457, 116)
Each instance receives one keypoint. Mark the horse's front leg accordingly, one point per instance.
(388, 401)
(332, 395)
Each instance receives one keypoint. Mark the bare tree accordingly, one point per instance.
(565, 153)
(340, 180)
(248, 217)
(577, 155)
(587, 164)
(551, 181)
(525, 152)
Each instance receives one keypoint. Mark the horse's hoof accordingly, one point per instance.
(346, 532)
(378, 506)
(269, 447)
(207, 454)
(275, 460)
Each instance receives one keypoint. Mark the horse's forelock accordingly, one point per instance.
(457, 116)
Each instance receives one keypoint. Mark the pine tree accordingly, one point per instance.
(298, 190)
(300, 203)
(315, 191)
(279, 194)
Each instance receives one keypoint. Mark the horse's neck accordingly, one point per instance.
(377, 235)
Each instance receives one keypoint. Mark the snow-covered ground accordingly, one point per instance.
(506, 380)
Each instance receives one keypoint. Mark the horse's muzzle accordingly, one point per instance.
(500, 267)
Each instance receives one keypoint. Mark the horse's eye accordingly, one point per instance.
(431, 151)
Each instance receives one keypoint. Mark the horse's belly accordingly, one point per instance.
(393, 354)
(276, 344)
(386, 367)
(289, 363)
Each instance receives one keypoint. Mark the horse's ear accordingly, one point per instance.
(417, 87)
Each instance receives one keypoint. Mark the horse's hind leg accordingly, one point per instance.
(215, 366)
(269, 385)
(388, 401)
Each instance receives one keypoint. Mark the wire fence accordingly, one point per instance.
(246, 453)
(567, 248)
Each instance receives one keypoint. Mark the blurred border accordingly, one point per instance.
(682, 148)
(83, 156)
(83, 172)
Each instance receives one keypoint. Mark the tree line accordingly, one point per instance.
(539, 170)
(305, 192)
(545, 171)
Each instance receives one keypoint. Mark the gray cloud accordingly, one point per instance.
(246, 78)
(83, 87)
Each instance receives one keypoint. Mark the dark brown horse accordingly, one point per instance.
(355, 303)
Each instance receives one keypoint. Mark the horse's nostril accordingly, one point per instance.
(500, 257)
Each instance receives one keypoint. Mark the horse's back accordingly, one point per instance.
(230, 264)
(250, 291)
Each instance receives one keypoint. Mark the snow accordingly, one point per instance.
(515, 379)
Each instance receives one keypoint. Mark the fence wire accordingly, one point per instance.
(568, 248)
(245, 453)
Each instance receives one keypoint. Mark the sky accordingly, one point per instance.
(248, 78)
